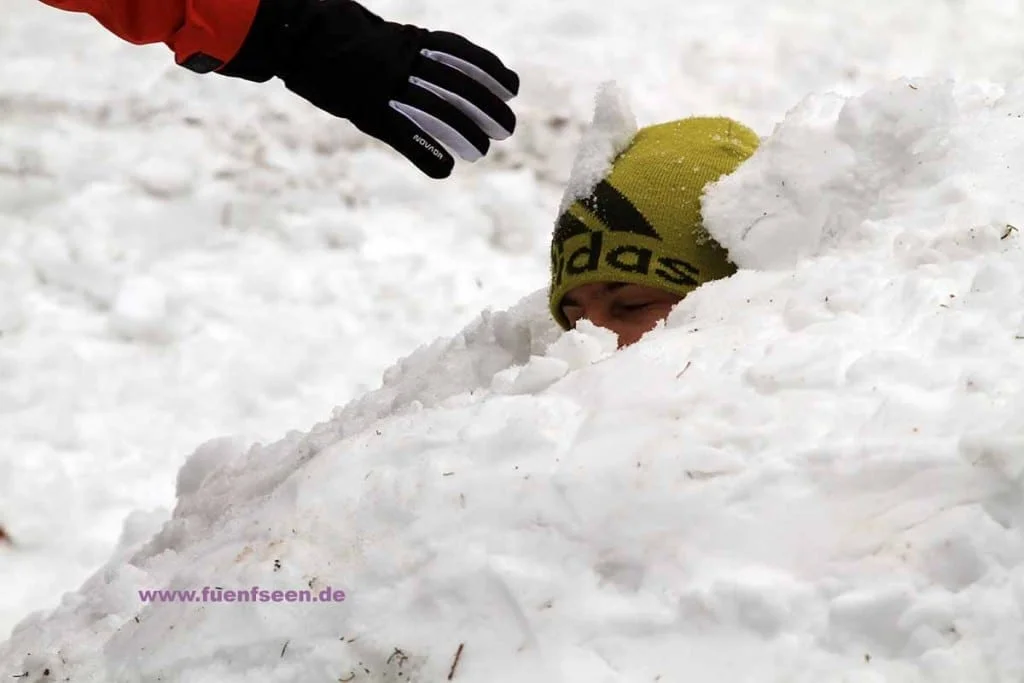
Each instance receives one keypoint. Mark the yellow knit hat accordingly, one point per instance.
(641, 224)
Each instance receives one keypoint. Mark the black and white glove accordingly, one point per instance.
(428, 94)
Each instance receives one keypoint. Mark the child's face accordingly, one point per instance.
(628, 310)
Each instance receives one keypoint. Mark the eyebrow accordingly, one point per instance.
(608, 287)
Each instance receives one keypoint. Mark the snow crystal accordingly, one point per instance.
(583, 345)
(141, 310)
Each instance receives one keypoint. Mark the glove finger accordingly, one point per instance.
(406, 137)
(486, 110)
(434, 127)
(443, 121)
(479, 64)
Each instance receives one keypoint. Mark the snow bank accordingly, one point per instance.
(184, 256)
(812, 472)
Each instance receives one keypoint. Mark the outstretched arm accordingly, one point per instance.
(428, 94)
(215, 28)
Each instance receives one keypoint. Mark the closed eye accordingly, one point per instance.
(635, 306)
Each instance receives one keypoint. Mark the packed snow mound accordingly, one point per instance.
(919, 171)
(813, 472)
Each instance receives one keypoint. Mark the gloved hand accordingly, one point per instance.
(425, 93)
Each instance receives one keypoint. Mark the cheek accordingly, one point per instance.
(631, 329)
(651, 316)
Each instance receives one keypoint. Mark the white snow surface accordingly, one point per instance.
(609, 134)
(813, 471)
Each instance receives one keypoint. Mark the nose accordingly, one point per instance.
(599, 315)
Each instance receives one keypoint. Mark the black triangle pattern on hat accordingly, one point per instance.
(617, 213)
(568, 226)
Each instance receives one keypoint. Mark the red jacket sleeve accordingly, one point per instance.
(212, 27)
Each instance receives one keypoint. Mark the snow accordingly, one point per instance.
(609, 134)
(812, 472)
(946, 151)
